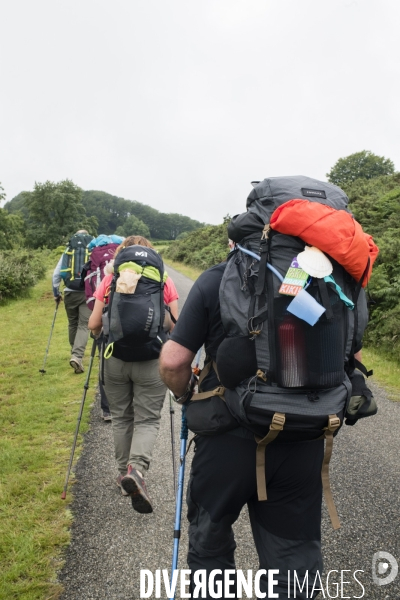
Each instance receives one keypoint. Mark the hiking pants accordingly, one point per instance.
(136, 395)
(286, 528)
(78, 315)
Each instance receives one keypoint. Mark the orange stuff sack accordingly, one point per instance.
(333, 231)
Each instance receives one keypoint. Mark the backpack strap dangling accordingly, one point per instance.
(277, 424)
(218, 391)
(333, 425)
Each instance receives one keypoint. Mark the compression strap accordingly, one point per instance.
(277, 424)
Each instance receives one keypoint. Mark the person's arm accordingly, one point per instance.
(95, 323)
(56, 281)
(190, 332)
(176, 367)
(171, 300)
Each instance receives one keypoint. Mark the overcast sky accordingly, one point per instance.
(180, 104)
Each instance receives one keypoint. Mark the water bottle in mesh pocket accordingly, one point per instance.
(291, 354)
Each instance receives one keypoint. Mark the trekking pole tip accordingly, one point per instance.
(42, 371)
(63, 495)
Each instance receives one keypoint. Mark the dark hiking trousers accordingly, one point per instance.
(103, 396)
(286, 527)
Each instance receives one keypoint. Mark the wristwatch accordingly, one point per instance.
(186, 396)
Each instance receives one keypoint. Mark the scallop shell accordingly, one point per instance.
(314, 262)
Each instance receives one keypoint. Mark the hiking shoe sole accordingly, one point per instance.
(76, 365)
(136, 490)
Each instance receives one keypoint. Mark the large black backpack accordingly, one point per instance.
(279, 374)
(136, 310)
(75, 256)
(287, 365)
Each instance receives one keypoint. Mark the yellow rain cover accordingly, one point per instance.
(127, 281)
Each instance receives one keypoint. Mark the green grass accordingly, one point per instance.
(187, 270)
(38, 416)
(386, 371)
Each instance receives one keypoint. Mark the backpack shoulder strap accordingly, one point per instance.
(168, 309)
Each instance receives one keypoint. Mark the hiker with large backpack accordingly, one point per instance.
(135, 305)
(69, 271)
(282, 322)
(102, 250)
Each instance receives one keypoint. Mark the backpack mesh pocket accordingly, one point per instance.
(309, 356)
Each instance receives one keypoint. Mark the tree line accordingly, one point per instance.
(47, 216)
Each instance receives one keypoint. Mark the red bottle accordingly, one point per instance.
(292, 367)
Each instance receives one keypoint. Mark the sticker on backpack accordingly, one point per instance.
(294, 280)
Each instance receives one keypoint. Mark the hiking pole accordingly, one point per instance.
(85, 389)
(172, 413)
(42, 371)
(179, 496)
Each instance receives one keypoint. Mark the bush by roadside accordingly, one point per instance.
(20, 270)
(202, 248)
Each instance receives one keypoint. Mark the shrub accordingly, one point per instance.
(20, 270)
(376, 205)
(202, 248)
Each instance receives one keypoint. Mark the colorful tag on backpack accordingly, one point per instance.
(294, 281)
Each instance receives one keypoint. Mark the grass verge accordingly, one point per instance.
(186, 270)
(386, 371)
(38, 416)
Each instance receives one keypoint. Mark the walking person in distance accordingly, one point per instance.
(135, 296)
(68, 271)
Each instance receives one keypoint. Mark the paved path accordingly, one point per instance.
(111, 542)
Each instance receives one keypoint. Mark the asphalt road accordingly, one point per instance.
(111, 543)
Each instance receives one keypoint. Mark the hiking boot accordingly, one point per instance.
(76, 364)
(134, 485)
(106, 416)
(123, 492)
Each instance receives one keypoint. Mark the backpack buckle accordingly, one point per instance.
(333, 423)
(278, 421)
(261, 375)
(219, 391)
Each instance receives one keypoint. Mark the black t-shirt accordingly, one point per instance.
(200, 320)
(200, 323)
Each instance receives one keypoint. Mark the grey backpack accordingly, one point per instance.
(281, 374)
